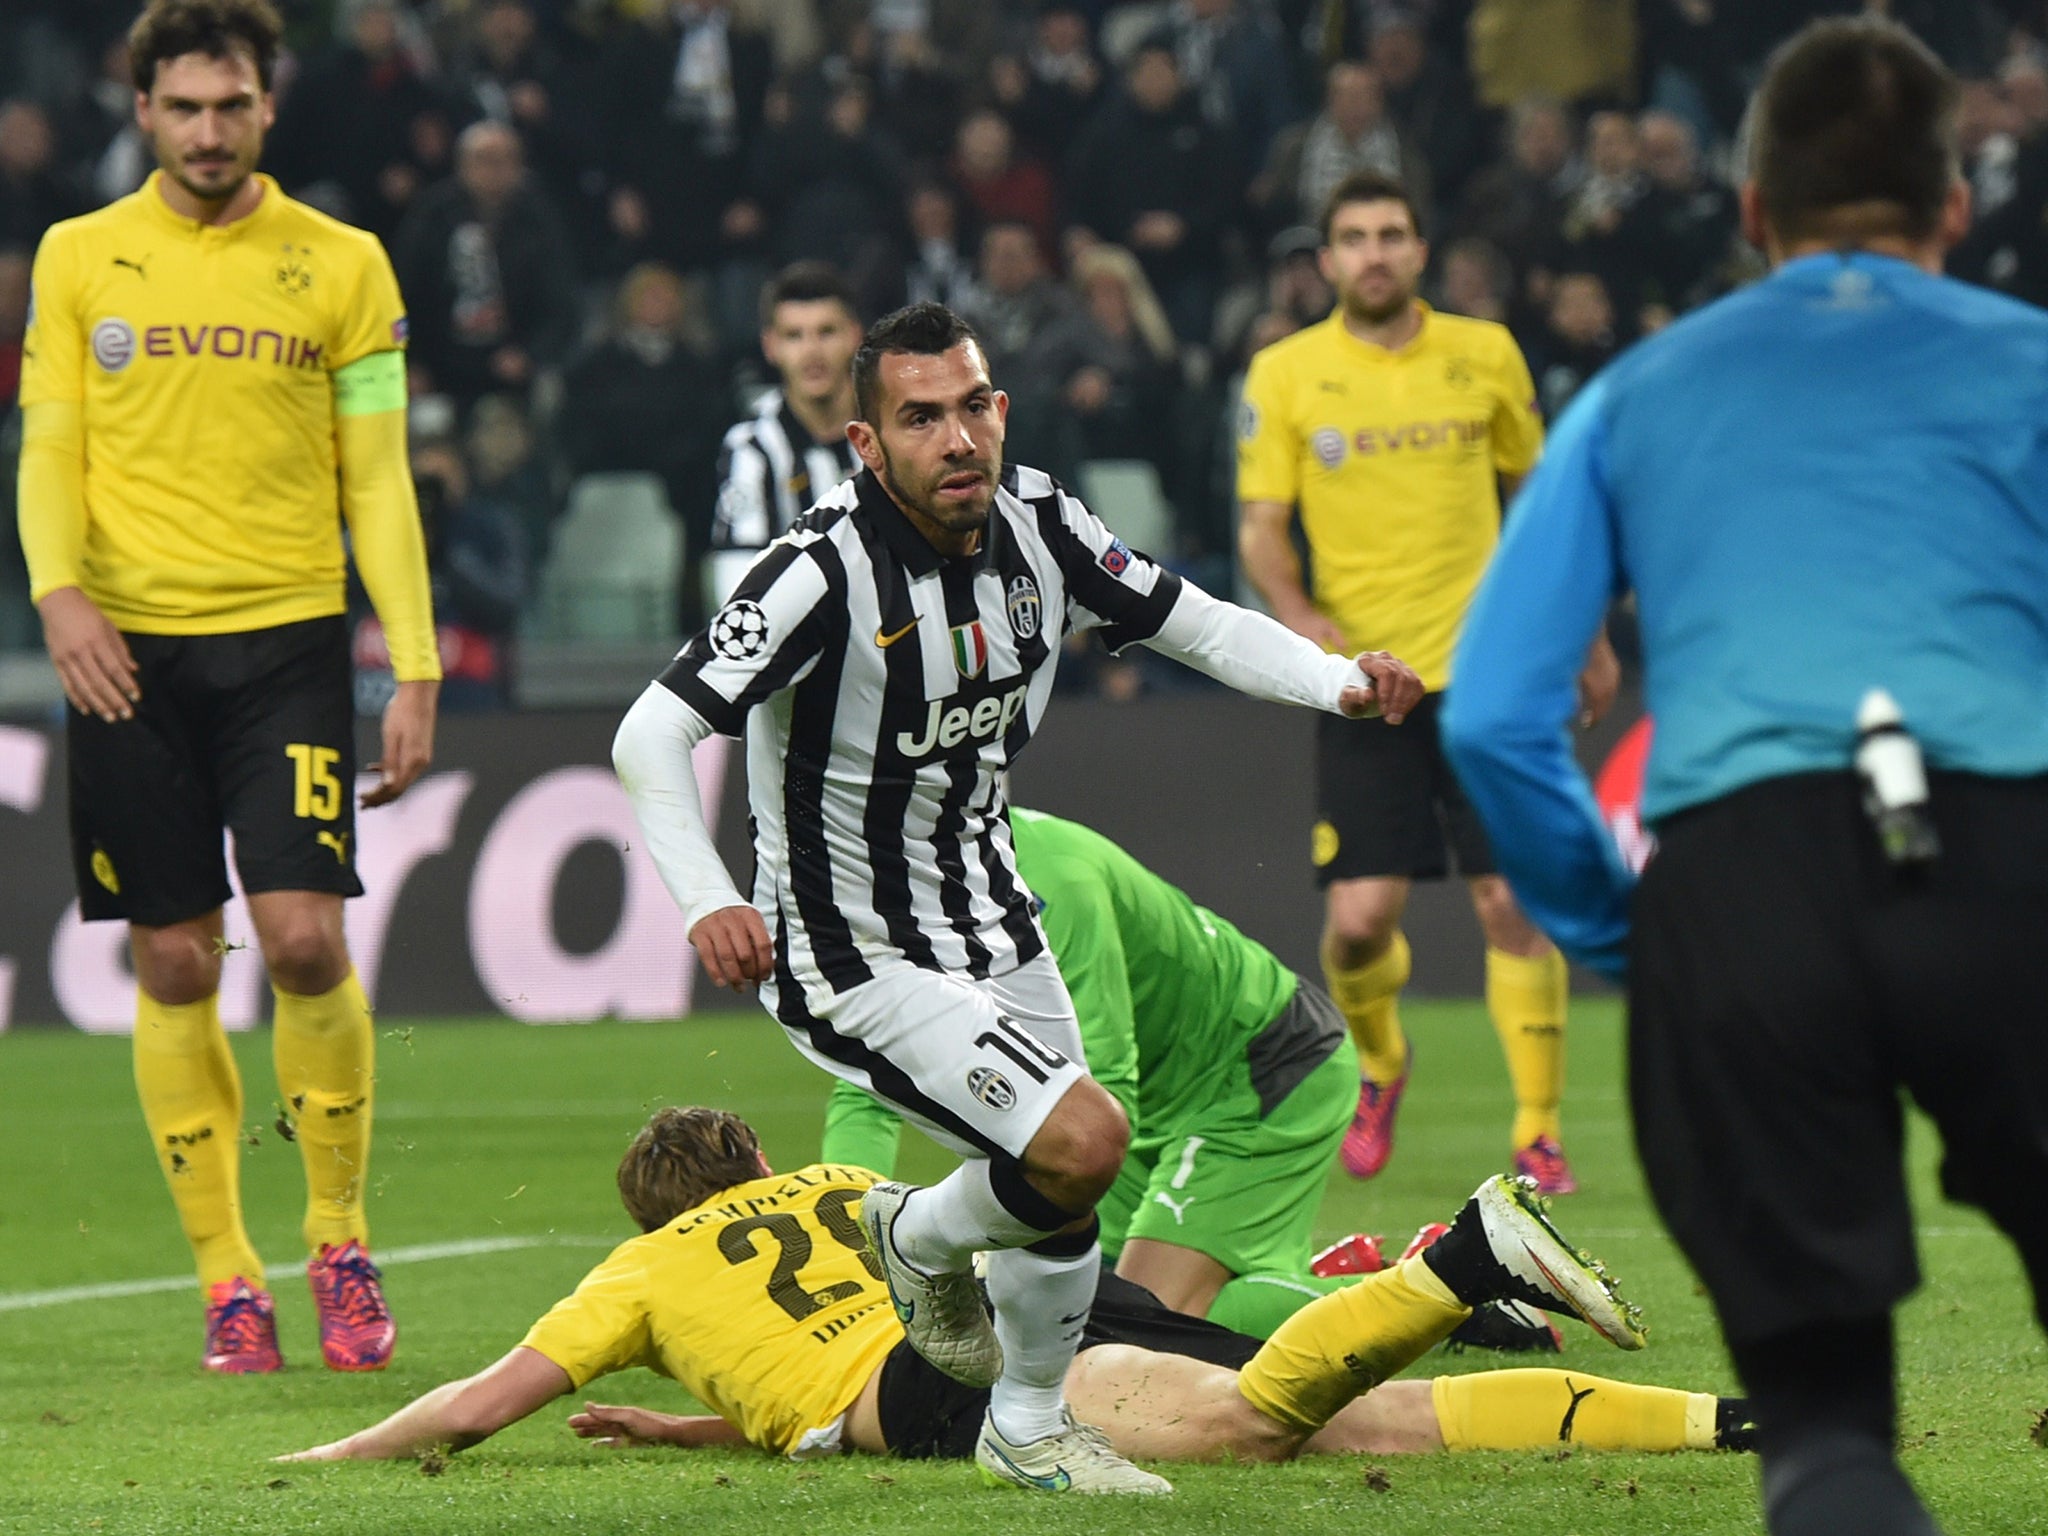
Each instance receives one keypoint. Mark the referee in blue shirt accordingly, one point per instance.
(1832, 482)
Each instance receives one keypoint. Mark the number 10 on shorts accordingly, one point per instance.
(316, 792)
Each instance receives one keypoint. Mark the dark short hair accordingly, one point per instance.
(923, 330)
(807, 282)
(220, 29)
(681, 1158)
(1370, 187)
(1856, 118)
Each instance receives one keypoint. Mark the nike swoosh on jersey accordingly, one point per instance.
(885, 641)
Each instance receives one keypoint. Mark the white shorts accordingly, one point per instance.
(978, 1065)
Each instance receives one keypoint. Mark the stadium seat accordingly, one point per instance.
(615, 565)
(1127, 495)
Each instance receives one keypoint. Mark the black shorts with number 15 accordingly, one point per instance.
(252, 732)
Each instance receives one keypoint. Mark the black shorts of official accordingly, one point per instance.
(1387, 803)
(1786, 984)
(925, 1413)
(253, 732)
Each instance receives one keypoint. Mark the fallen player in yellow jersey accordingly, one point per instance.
(756, 1292)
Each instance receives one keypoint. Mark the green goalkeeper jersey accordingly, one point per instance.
(1170, 997)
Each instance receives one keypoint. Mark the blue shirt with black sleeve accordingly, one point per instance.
(1834, 480)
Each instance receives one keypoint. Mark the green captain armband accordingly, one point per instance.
(370, 385)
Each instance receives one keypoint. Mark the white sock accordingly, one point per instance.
(1041, 1307)
(942, 1226)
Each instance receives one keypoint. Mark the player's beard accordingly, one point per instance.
(239, 168)
(1396, 303)
(953, 516)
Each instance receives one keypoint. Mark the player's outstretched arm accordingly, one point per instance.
(1263, 658)
(456, 1414)
(620, 1427)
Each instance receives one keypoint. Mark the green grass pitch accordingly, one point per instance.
(502, 1138)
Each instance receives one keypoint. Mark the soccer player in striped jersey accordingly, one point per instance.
(1238, 1078)
(756, 1292)
(887, 660)
(793, 448)
(213, 382)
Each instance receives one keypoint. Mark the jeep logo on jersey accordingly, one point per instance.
(991, 1087)
(1025, 607)
(113, 344)
(944, 727)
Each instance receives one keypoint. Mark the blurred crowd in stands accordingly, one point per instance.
(584, 198)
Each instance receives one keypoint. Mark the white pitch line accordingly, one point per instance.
(416, 1253)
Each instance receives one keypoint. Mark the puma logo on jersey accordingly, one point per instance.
(944, 727)
(133, 266)
(1178, 1207)
(338, 841)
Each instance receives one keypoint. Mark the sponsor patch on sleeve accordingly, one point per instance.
(401, 331)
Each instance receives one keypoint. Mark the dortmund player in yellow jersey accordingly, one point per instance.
(213, 381)
(755, 1292)
(1397, 431)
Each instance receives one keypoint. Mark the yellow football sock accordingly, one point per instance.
(1369, 998)
(1531, 1409)
(1527, 1000)
(1349, 1342)
(192, 1103)
(325, 1052)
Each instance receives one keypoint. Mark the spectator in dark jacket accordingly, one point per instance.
(1429, 99)
(487, 274)
(1686, 221)
(644, 400)
(1234, 65)
(1576, 341)
(506, 72)
(679, 100)
(831, 182)
(34, 193)
(1518, 203)
(1149, 175)
(353, 118)
(1601, 232)
(1051, 87)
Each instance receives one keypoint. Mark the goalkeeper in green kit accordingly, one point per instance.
(1239, 1078)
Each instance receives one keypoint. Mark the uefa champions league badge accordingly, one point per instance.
(1025, 607)
(739, 631)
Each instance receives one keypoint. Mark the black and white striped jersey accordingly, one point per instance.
(770, 469)
(883, 688)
